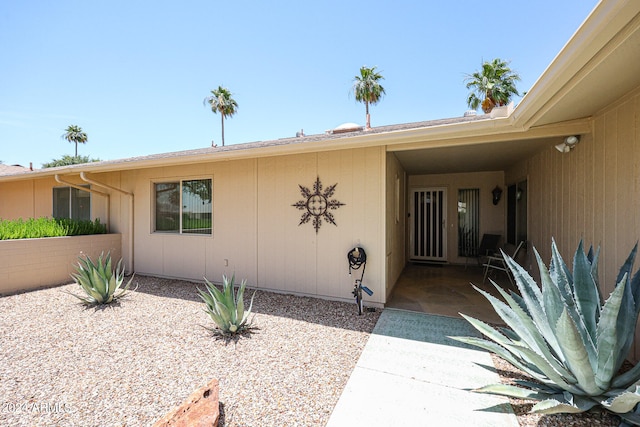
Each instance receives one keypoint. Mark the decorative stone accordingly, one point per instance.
(201, 409)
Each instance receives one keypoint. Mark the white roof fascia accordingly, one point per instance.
(572, 63)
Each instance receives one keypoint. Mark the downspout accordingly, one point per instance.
(90, 190)
(84, 177)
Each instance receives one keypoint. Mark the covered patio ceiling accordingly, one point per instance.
(490, 156)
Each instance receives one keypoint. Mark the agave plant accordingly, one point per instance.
(564, 337)
(226, 309)
(100, 283)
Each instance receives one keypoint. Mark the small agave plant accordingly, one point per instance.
(100, 283)
(566, 339)
(226, 309)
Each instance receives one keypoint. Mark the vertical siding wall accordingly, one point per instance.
(294, 257)
(396, 215)
(255, 227)
(197, 256)
(34, 199)
(26, 199)
(591, 193)
(17, 200)
(492, 218)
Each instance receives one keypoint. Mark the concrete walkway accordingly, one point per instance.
(411, 374)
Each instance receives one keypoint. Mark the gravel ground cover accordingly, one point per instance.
(128, 364)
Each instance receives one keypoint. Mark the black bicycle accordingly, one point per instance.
(358, 258)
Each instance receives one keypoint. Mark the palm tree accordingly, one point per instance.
(221, 102)
(367, 88)
(492, 86)
(67, 160)
(74, 133)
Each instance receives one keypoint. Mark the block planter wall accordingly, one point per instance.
(34, 263)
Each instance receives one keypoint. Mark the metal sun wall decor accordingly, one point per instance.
(317, 204)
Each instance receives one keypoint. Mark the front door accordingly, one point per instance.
(428, 236)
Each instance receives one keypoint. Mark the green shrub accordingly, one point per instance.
(226, 309)
(76, 227)
(566, 339)
(30, 228)
(99, 282)
(33, 228)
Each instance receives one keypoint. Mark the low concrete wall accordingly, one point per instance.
(33, 263)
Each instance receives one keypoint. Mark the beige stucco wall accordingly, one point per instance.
(31, 263)
(13, 203)
(492, 217)
(396, 214)
(26, 199)
(590, 193)
(255, 227)
(34, 199)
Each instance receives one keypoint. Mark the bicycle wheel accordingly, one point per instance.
(359, 299)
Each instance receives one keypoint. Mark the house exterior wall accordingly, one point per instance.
(26, 199)
(396, 214)
(591, 193)
(13, 203)
(34, 199)
(255, 227)
(491, 217)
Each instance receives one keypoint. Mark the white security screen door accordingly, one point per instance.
(428, 237)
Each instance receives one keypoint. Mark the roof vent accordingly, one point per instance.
(299, 134)
(470, 113)
(347, 127)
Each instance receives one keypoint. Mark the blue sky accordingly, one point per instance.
(134, 74)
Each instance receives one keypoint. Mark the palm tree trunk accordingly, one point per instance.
(366, 104)
(222, 129)
(76, 148)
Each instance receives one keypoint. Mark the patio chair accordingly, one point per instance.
(488, 246)
(497, 262)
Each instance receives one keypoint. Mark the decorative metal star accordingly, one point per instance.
(317, 204)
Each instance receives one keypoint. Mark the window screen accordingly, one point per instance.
(183, 207)
(468, 222)
(168, 206)
(71, 203)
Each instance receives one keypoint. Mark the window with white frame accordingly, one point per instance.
(183, 206)
(71, 203)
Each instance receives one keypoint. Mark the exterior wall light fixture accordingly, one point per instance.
(568, 143)
(497, 193)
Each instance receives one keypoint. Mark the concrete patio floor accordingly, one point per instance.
(446, 290)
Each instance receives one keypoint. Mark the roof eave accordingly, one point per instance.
(361, 140)
(592, 38)
(440, 135)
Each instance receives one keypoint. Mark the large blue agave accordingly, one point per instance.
(565, 338)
